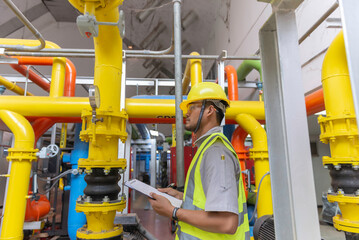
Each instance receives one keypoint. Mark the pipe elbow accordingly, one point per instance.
(21, 128)
(253, 128)
(335, 60)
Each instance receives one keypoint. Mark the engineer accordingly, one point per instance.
(214, 203)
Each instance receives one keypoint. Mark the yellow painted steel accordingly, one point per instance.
(104, 134)
(20, 157)
(259, 153)
(135, 108)
(192, 73)
(173, 135)
(45, 106)
(339, 128)
(58, 66)
(58, 77)
(13, 87)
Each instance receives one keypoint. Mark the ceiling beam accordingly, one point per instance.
(14, 23)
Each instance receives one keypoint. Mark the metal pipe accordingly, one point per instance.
(13, 87)
(192, 73)
(178, 92)
(320, 21)
(259, 153)
(20, 157)
(28, 24)
(142, 56)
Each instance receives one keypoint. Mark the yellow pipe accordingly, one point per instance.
(135, 108)
(259, 153)
(45, 106)
(103, 135)
(58, 66)
(21, 157)
(13, 87)
(193, 73)
(339, 129)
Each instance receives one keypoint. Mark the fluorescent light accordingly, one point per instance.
(154, 133)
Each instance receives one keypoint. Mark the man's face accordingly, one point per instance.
(192, 115)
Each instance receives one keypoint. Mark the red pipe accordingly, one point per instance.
(238, 138)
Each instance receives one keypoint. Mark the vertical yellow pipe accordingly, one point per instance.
(339, 129)
(58, 77)
(103, 135)
(21, 157)
(259, 153)
(196, 69)
(192, 73)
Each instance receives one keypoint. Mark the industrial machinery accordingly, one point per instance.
(87, 178)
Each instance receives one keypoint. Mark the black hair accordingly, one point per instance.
(219, 113)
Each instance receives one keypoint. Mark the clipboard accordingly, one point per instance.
(147, 189)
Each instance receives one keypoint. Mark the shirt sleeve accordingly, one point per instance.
(220, 178)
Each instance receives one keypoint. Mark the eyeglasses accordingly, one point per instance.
(193, 106)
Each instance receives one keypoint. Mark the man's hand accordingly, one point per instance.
(172, 192)
(161, 205)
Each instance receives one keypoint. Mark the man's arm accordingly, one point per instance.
(217, 222)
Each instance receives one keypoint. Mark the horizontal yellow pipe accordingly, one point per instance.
(26, 42)
(45, 106)
(259, 153)
(15, 205)
(13, 87)
(136, 108)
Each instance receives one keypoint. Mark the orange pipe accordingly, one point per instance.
(314, 102)
(32, 76)
(231, 76)
(70, 77)
(36, 209)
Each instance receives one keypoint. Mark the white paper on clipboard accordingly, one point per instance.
(147, 189)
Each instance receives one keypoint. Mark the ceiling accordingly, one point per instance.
(149, 25)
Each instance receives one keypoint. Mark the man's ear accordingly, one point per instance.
(211, 110)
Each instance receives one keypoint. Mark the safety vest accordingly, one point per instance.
(195, 199)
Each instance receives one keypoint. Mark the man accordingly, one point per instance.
(214, 204)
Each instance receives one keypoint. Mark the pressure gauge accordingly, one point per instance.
(94, 96)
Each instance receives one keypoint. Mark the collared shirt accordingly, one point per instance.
(220, 174)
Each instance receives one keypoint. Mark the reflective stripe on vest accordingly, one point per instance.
(195, 199)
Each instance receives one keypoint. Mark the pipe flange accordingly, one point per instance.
(346, 225)
(22, 154)
(115, 233)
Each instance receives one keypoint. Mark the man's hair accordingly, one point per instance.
(219, 112)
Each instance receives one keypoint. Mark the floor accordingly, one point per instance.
(160, 226)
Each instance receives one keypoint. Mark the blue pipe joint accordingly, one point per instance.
(2, 89)
(76, 219)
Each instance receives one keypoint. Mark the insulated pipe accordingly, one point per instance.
(21, 157)
(339, 129)
(13, 87)
(192, 73)
(259, 153)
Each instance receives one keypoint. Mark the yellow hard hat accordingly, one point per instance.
(202, 91)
